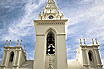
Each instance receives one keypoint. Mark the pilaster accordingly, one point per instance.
(87, 58)
(19, 56)
(40, 48)
(88, 63)
(61, 52)
(98, 59)
(83, 57)
(7, 57)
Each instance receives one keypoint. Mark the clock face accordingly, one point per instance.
(50, 17)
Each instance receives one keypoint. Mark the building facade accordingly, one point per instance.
(50, 47)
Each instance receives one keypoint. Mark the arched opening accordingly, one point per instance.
(50, 43)
(90, 55)
(91, 59)
(11, 56)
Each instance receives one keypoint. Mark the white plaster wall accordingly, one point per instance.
(39, 61)
(43, 28)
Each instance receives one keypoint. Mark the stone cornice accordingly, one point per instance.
(89, 46)
(40, 35)
(13, 47)
(61, 21)
(51, 23)
(56, 34)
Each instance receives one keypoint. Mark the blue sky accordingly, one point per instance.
(86, 20)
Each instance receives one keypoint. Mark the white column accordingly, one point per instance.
(99, 58)
(87, 59)
(19, 56)
(88, 63)
(96, 57)
(83, 55)
(99, 64)
(7, 58)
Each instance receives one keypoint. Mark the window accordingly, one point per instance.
(11, 56)
(50, 17)
(90, 55)
(50, 43)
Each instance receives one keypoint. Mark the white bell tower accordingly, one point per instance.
(50, 47)
(89, 55)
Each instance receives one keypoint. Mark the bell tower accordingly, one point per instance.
(50, 47)
(89, 55)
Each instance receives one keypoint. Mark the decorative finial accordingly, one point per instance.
(21, 43)
(10, 43)
(17, 42)
(92, 41)
(6, 43)
(40, 14)
(96, 41)
(60, 17)
(50, 10)
(80, 42)
(43, 12)
(24, 48)
(84, 42)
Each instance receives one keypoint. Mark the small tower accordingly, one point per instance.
(89, 56)
(13, 57)
(50, 39)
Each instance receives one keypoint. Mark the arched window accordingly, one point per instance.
(11, 56)
(90, 54)
(50, 43)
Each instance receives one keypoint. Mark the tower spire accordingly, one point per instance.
(50, 9)
(51, 5)
(51, 1)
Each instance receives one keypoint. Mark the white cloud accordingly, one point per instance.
(96, 14)
(16, 30)
(90, 1)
